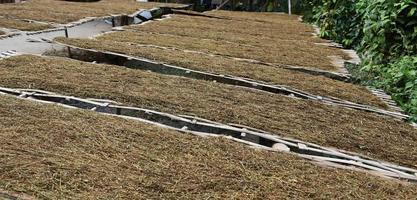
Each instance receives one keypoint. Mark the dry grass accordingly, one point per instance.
(262, 17)
(232, 30)
(279, 39)
(369, 134)
(22, 25)
(58, 11)
(265, 21)
(50, 152)
(227, 36)
(314, 84)
(288, 53)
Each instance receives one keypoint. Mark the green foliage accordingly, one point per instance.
(340, 20)
(400, 79)
(384, 32)
(389, 31)
(381, 30)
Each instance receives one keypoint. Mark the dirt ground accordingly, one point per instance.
(317, 85)
(62, 12)
(50, 152)
(357, 131)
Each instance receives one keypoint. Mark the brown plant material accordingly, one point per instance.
(22, 25)
(51, 152)
(317, 85)
(58, 11)
(231, 30)
(369, 134)
(262, 17)
(287, 40)
(289, 53)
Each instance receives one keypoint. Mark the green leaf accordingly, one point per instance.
(412, 11)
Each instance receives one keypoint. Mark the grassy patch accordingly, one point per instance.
(314, 84)
(287, 40)
(232, 30)
(50, 152)
(64, 11)
(369, 134)
(22, 25)
(287, 53)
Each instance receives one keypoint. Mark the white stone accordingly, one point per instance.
(281, 147)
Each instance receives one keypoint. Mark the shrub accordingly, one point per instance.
(399, 79)
(339, 21)
(389, 31)
(384, 32)
(381, 30)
